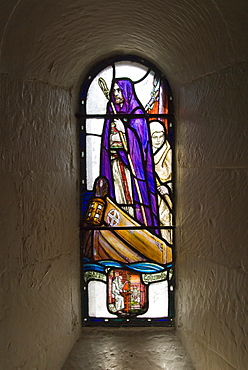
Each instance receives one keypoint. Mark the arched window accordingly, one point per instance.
(127, 140)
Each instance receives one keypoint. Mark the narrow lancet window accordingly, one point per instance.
(127, 186)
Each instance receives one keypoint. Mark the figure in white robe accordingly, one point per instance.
(117, 287)
(162, 155)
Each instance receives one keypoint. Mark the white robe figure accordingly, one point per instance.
(117, 287)
(163, 166)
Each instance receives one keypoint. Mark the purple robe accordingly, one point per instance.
(139, 147)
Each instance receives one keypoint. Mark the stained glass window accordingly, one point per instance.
(127, 207)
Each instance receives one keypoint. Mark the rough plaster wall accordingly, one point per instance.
(39, 218)
(212, 252)
(46, 49)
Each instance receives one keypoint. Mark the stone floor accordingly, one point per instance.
(128, 349)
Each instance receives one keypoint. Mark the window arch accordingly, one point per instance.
(127, 213)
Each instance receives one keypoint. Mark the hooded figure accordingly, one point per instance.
(126, 156)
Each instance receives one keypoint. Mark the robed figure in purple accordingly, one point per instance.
(126, 156)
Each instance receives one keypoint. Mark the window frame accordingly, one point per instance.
(82, 117)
